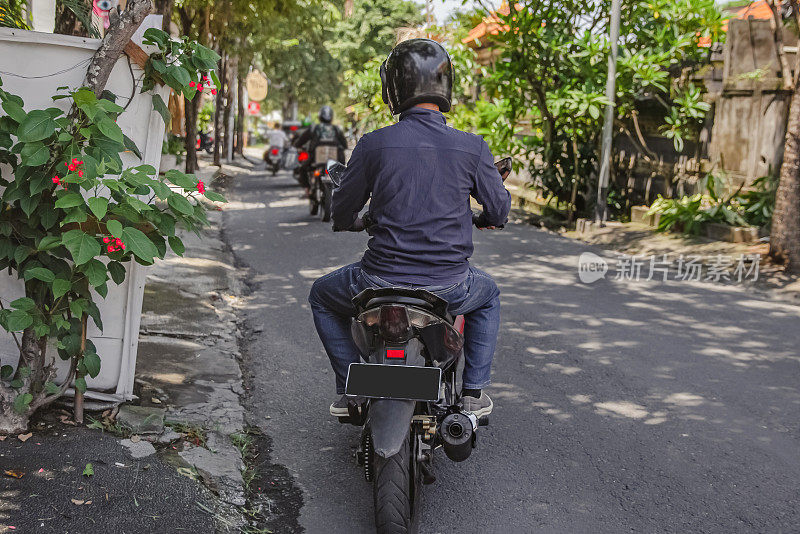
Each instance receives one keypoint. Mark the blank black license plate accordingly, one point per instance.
(394, 381)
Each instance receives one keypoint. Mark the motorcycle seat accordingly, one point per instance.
(397, 299)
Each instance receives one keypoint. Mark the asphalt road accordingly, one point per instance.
(619, 406)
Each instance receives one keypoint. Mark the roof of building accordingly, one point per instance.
(493, 25)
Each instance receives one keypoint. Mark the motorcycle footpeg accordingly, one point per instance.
(357, 414)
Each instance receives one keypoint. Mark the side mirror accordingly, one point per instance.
(335, 170)
(504, 167)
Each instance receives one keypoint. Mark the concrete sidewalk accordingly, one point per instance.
(172, 460)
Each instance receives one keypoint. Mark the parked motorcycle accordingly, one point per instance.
(411, 383)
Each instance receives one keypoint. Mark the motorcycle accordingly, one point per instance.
(273, 158)
(205, 141)
(319, 182)
(406, 393)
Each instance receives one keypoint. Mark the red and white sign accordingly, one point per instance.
(254, 108)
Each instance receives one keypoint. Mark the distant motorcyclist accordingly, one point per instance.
(323, 134)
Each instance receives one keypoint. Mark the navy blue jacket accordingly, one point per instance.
(420, 174)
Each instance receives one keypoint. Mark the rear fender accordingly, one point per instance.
(389, 421)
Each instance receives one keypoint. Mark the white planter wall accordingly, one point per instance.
(37, 60)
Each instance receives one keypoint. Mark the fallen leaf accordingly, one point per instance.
(88, 470)
(88, 502)
(135, 439)
(3, 438)
(14, 474)
(155, 400)
(25, 437)
(77, 501)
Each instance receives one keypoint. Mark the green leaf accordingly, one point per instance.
(115, 228)
(180, 179)
(82, 246)
(156, 36)
(51, 388)
(5, 371)
(110, 129)
(23, 371)
(117, 271)
(139, 244)
(214, 197)
(89, 470)
(163, 110)
(48, 242)
(24, 303)
(179, 74)
(41, 330)
(176, 245)
(60, 287)
(94, 312)
(77, 307)
(22, 401)
(14, 110)
(69, 200)
(130, 145)
(95, 271)
(179, 203)
(29, 203)
(80, 384)
(18, 320)
(16, 384)
(22, 253)
(40, 273)
(34, 154)
(99, 206)
(92, 363)
(37, 125)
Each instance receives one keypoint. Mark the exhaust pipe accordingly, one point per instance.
(458, 435)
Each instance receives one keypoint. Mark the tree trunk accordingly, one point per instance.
(218, 111)
(191, 109)
(226, 120)
(240, 116)
(164, 8)
(785, 234)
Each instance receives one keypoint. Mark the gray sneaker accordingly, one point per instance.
(339, 408)
(479, 407)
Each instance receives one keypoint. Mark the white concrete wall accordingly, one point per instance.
(36, 60)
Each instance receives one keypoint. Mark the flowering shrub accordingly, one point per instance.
(71, 217)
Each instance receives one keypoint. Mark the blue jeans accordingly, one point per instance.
(477, 298)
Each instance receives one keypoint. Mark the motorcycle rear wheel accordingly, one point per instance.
(313, 199)
(327, 195)
(393, 492)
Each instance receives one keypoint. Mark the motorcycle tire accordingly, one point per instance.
(326, 203)
(393, 493)
(313, 199)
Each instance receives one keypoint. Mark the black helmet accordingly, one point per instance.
(417, 71)
(325, 114)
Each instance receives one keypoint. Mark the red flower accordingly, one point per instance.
(213, 91)
(111, 248)
(191, 84)
(122, 246)
(72, 167)
(80, 174)
(106, 240)
(56, 180)
(118, 242)
(201, 187)
(74, 161)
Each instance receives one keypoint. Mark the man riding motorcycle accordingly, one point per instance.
(418, 175)
(324, 134)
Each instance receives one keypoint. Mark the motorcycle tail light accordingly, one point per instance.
(421, 319)
(453, 341)
(396, 354)
(293, 128)
(274, 151)
(316, 173)
(394, 324)
(370, 317)
(302, 156)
